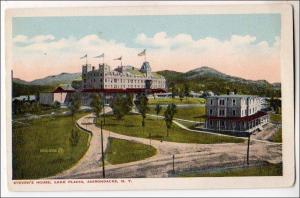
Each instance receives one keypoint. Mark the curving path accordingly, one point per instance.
(187, 156)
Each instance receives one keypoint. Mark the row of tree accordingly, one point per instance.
(182, 90)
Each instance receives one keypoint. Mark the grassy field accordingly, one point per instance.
(275, 118)
(124, 151)
(188, 113)
(265, 170)
(41, 147)
(189, 100)
(131, 125)
(277, 136)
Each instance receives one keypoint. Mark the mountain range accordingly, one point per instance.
(63, 78)
(202, 78)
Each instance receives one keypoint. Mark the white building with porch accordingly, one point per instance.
(235, 113)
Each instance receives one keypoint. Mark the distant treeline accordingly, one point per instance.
(19, 89)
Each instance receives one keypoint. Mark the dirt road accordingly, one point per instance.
(187, 156)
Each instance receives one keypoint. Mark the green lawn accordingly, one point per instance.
(131, 125)
(187, 113)
(189, 100)
(264, 170)
(277, 136)
(275, 118)
(42, 148)
(124, 151)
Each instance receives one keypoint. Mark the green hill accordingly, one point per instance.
(208, 79)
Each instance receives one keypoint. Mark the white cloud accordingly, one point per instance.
(20, 39)
(36, 39)
(240, 55)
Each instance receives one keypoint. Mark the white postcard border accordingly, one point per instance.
(175, 183)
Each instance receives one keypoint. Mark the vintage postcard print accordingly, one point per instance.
(150, 97)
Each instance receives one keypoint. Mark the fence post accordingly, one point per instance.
(248, 148)
(173, 164)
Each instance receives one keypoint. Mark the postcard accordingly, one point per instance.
(150, 97)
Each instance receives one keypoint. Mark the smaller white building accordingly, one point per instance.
(61, 94)
(236, 113)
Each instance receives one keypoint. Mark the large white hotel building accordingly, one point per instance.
(122, 77)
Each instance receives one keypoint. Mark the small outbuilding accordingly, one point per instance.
(61, 94)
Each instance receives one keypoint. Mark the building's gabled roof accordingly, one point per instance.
(135, 72)
(64, 88)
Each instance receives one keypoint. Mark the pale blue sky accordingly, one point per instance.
(124, 29)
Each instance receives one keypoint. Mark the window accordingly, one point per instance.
(221, 112)
(233, 101)
(210, 123)
(210, 112)
(233, 112)
(222, 102)
(222, 123)
(211, 102)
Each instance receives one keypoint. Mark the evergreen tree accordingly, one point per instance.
(143, 108)
(169, 115)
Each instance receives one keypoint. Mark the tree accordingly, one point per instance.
(36, 107)
(157, 109)
(74, 139)
(169, 115)
(275, 104)
(143, 107)
(181, 94)
(56, 105)
(121, 105)
(128, 103)
(186, 90)
(97, 105)
(74, 106)
(173, 89)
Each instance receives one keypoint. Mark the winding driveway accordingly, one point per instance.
(187, 156)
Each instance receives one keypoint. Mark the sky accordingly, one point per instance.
(244, 45)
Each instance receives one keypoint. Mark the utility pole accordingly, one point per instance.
(173, 164)
(102, 152)
(104, 108)
(248, 148)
